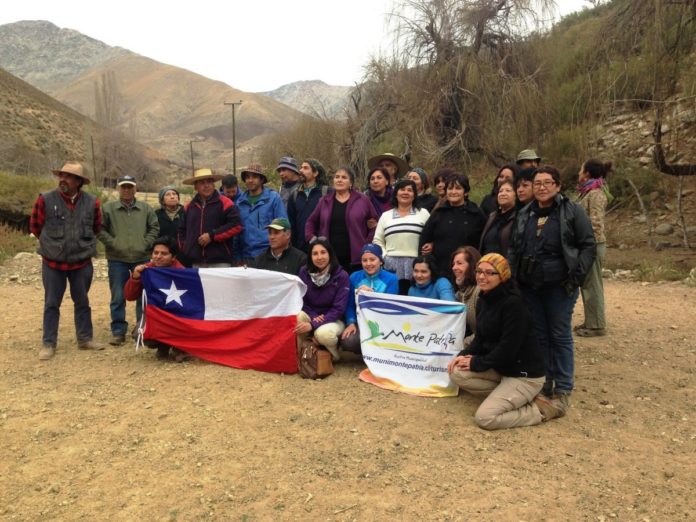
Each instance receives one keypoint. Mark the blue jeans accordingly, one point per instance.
(119, 272)
(552, 312)
(54, 283)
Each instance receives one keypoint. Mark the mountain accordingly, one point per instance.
(313, 97)
(165, 106)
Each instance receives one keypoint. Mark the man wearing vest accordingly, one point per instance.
(67, 221)
(130, 227)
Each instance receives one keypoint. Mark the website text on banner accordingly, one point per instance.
(239, 317)
(407, 342)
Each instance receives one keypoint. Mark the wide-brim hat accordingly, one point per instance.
(254, 168)
(400, 162)
(201, 174)
(527, 155)
(74, 168)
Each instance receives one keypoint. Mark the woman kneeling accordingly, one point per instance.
(504, 362)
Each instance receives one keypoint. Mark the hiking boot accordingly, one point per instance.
(46, 353)
(591, 332)
(89, 344)
(549, 408)
(579, 327)
(117, 339)
(563, 401)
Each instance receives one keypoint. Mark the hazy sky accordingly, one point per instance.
(252, 45)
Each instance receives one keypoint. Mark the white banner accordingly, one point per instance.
(407, 342)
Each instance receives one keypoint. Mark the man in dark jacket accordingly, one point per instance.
(210, 222)
(280, 256)
(67, 221)
(305, 199)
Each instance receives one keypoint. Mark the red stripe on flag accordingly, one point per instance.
(266, 344)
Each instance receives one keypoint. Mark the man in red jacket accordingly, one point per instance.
(163, 256)
(210, 222)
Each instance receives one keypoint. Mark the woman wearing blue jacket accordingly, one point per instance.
(372, 278)
(426, 282)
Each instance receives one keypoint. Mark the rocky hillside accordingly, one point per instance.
(166, 105)
(313, 97)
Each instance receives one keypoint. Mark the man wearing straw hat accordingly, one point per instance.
(67, 221)
(395, 166)
(210, 222)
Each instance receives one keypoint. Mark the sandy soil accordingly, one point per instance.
(118, 434)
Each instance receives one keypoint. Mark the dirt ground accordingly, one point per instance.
(119, 435)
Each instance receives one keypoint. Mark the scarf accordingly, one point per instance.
(381, 203)
(172, 214)
(320, 278)
(590, 184)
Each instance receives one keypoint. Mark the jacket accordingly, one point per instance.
(269, 206)
(300, 207)
(217, 216)
(383, 282)
(577, 240)
(450, 227)
(128, 233)
(440, 289)
(169, 227)
(330, 299)
(289, 262)
(594, 203)
(505, 340)
(134, 287)
(358, 211)
(503, 230)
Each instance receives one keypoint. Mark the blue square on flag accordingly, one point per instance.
(178, 291)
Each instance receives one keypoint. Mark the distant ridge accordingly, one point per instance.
(313, 97)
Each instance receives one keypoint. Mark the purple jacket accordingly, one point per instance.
(358, 211)
(330, 299)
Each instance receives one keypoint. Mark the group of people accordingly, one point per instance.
(517, 261)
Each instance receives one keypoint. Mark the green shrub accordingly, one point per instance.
(12, 241)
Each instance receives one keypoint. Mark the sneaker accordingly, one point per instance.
(117, 339)
(46, 353)
(549, 408)
(591, 332)
(89, 344)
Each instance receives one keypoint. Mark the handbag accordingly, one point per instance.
(313, 361)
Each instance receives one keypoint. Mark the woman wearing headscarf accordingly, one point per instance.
(503, 363)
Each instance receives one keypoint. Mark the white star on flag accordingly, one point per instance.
(173, 294)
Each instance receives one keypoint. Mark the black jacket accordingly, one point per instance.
(577, 239)
(448, 228)
(290, 261)
(300, 207)
(505, 340)
(503, 230)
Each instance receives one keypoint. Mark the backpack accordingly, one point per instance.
(313, 361)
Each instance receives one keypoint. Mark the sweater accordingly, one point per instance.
(383, 282)
(399, 236)
(330, 299)
(358, 211)
(440, 289)
(128, 232)
(505, 340)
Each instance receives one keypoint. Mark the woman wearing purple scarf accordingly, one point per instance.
(594, 196)
(379, 191)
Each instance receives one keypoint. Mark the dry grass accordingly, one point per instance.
(12, 241)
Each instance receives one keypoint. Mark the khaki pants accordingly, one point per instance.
(509, 400)
(593, 292)
(326, 335)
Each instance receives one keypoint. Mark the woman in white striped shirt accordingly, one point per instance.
(398, 232)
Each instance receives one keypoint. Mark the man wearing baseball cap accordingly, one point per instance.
(289, 177)
(280, 256)
(258, 206)
(67, 220)
(130, 228)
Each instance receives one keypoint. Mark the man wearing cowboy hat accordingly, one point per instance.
(258, 206)
(67, 221)
(289, 178)
(394, 165)
(210, 223)
(528, 159)
(130, 228)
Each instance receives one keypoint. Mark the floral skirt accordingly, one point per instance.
(402, 266)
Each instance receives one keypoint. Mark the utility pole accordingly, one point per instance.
(193, 168)
(234, 136)
(94, 163)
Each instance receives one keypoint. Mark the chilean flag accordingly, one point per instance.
(239, 317)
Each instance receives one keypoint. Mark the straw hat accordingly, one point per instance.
(399, 162)
(201, 174)
(74, 168)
